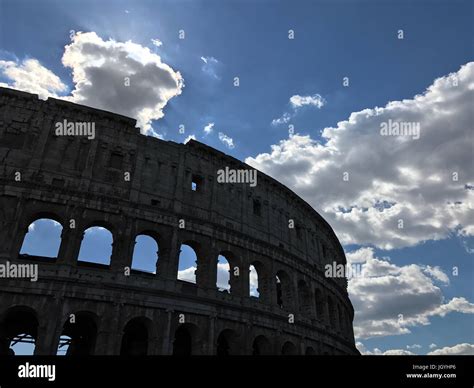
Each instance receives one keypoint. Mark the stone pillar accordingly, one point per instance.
(18, 230)
(211, 344)
(327, 313)
(89, 167)
(109, 334)
(167, 338)
(302, 346)
(206, 273)
(44, 344)
(247, 340)
(278, 343)
(240, 285)
(49, 331)
(122, 249)
(71, 240)
(7, 224)
(311, 307)
(168, 256)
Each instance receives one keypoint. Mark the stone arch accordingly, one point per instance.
(42, 235)
(265, 279)
(224, 273)
(79, 334)
(226, 344)
(261, 346)
(186, 340)
(284, 291)
(135, 337)
(18, 328)
(188, 261)
(304, 298)
(319, 305)
(98, 240)
(340, 317)
(145, 252)
(289, 349)
(254, 282)
(47, 214)
(332, 312)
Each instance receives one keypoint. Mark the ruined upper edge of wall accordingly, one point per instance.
(129, 124)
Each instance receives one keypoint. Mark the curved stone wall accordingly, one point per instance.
(132, 184)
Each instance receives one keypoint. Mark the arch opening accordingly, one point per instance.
(223, 274)
(42, 239)
(304, 298)
(185, 340)
(261, 346)
(78, 336)
(187, 265)
(254, 290)
(332, 312)
(319, 305)
(288, 349)
(18, 332)
(96, 246)
(226, 343)
(283, 289)
(145, 254)
(135, 338)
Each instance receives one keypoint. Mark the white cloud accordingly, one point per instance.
(285, 118)
(223, 276)
(209, 128)
(99, 70)
(390, 299)
(390, 178)
(189, 138)
(437, 273)
(377, 352)
(414, 346)
(211, 66)
(459, 349)
(315, 100)
(397, 352)
(157, 42)
(188, 274)
(432, 346)
(296, 102)
(228, 141)
(96, 230)
(253, 282)
(31, 76)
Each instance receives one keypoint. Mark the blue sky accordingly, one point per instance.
(332, 40)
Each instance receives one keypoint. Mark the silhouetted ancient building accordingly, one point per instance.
(173, 196)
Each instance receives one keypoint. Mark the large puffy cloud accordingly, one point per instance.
(101, 70)
(121, 77)
(29, 75)
(390, 299)
(390, 178)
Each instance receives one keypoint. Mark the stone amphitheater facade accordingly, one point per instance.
(66, 178)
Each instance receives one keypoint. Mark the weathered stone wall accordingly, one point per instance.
(73, 178)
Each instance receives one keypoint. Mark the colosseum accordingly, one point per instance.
(133, 185)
